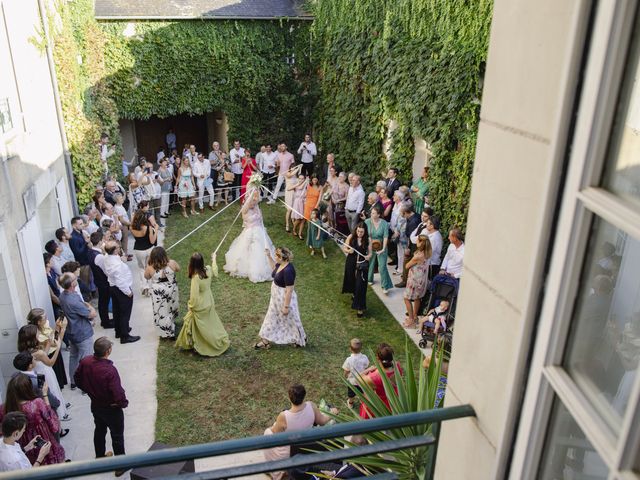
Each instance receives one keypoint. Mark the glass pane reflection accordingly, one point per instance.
(622, 174)
(567, 454)
(604, 343)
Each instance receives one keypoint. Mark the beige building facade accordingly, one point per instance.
(547, 335)
(35, 193)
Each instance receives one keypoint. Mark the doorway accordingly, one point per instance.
(150, 134)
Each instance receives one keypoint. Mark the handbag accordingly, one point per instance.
(229, 177)
(362, 266)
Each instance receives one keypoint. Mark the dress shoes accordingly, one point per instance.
(107, 325)
(130, 339)
(118, 335)
(400, 285)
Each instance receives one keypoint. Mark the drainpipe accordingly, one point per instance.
(54, 84)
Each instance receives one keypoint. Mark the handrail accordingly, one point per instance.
(305, 460)
(178, 454)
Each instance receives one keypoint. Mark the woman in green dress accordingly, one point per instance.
(419, 189)
(378, 230)
(315, 235)
(202, 329)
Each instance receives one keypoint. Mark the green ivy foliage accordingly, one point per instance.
(418, 62)
(194, 66)
(87, 107)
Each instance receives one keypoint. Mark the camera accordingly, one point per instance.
(39, 442)
(40, 377)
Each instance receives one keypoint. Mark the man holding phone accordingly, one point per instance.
(235, 157)
(23, 362)
(12, 456)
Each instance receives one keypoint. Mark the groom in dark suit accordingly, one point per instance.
(392, 181)
(101, 281)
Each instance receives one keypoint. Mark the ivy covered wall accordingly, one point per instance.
(357, 67)
(107, 71)
(240, 67)
(87, 106)
(418, 62)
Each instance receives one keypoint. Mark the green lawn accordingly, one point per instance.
(239, 394)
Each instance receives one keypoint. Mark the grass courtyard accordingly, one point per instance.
(240, 393)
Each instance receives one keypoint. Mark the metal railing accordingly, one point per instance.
(191, 452)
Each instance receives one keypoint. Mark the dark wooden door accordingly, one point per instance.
(150, 134)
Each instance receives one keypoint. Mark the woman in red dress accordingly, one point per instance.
(41, 419)
(372, 377)
(248, 167)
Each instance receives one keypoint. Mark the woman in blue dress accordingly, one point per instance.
(378, 230)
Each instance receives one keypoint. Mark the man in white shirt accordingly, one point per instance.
(63, 237)
(91, 212)
(284, 161)
(202, 174)
(355, 202)
(160, 155)
(11, 455)
(106, 152)
(192, 155)
(425, 215)
(453, 260)
(120, 287)
(55, 250)
(115, 228)
(308, 151)
(267, 166)
(235, 158)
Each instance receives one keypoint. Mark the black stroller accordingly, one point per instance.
(442, 288)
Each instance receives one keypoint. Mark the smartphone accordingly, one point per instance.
(40, 442)
(40, 377)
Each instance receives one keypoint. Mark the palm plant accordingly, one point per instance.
(406, 393)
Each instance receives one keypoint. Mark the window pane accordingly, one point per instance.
(623, 163)
(604, 341)
(567, 454)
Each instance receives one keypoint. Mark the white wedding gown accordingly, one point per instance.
(246, 257)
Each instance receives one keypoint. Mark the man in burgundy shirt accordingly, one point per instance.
(97, 376)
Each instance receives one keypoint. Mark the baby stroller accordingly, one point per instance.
(442, 288)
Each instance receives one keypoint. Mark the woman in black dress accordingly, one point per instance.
(356, 267)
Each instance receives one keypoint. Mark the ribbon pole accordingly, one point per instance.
(337, 240)
(205, 222)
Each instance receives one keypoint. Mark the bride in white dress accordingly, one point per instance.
(246, 257)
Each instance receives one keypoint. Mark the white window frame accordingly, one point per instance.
(582, 201)
(15, 103)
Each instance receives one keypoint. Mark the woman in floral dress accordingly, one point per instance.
(161, 270)
(41, 419)
(282, 324)
(186, 187)
(416, 288)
